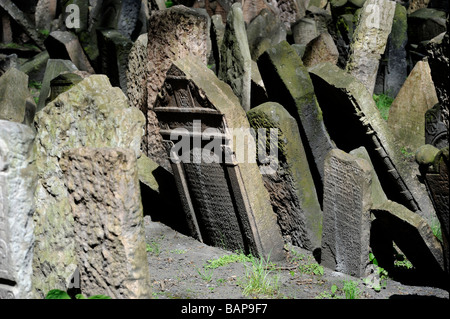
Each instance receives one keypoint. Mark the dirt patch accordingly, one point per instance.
(181, 268)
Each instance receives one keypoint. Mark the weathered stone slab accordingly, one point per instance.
(35, 67)
(346, 216)
(252, 8)
(357, 122)
(104, 194)
(291, 186)
(424, 24)
(258, 94)
(16, 104)
(45, 14)
(321, 49)
(65, 45)
(90, 114)
(369, 40)
(412, 234)
(17, 185)
(222, 191)
(395, 70)
(288, 83)
(114, 49)
(407, 112)
(54, 68)
(263, 32)
(290, 12)
(235, 61)
(435, 172)
(64, 82)
(305, 30)
(173, 33)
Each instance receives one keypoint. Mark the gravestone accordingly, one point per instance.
(415, 238)
(357, 122)
(137, 73)
(258, 94)
(435, 172)
(114, 49)
(436, 132)
(305, 30)
(173, 33)
(35, 67)
(424, 24)
(90, 114)
(104, 194)
(54, 68)
(64, 82)
(290, 12)
(235, 61)
(407, 111)
(291, 186)
(64, 45)
(217, 32)
(393, 69)
(287, 82)
(221, 189)
(346, 217)
(263, 32)
(45, 14)
(17, 185)
(16, 104)
(252, 8)
(321, 49)
(369, 40)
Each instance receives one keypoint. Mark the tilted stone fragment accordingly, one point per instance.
(90, 114)
(17, 184)
(105, 197)
(291, 187)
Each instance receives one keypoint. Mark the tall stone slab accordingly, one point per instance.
(369, 40)
(252, 8)
(291, 186)
(235, 64)
(173, 33)
(45, 14)
(104, 194)
(407, 111)
(346, 215)
(321, 49)
(90, 114)
(221, 188)
(16, 103)
(17, 185)
(357, 122)
(287, 82)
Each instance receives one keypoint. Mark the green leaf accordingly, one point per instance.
(333, 289)
(99, 297)
(80, 296)
(57, 294)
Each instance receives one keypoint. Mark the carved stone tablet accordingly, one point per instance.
(346, 221)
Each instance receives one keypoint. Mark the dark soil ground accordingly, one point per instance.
(178, 271)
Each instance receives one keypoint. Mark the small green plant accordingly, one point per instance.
(383, 102)
(436, 229)
(378, 279)
(60, 294)
(351, 289)
(178, 251)
(228, 259)
(45, 33)
(154, 248)
(258, 280)
(205, 274)
(329, 294)
(169, 3)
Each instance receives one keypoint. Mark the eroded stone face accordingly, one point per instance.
(105, 198)
(91, 114)
(17, 185)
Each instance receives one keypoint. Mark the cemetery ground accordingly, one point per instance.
(184, 268)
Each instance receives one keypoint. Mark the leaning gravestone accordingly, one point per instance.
(321, 49)
(91, 114)
(104, 194)
(291, 186)
(369, 40)
(17, 185)
(287, 82)
(16, 104)
(222, 191)
(357, 122)
(173, 33)
(235, 61)
(435, 172)
(346, 217)
(436, 132)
